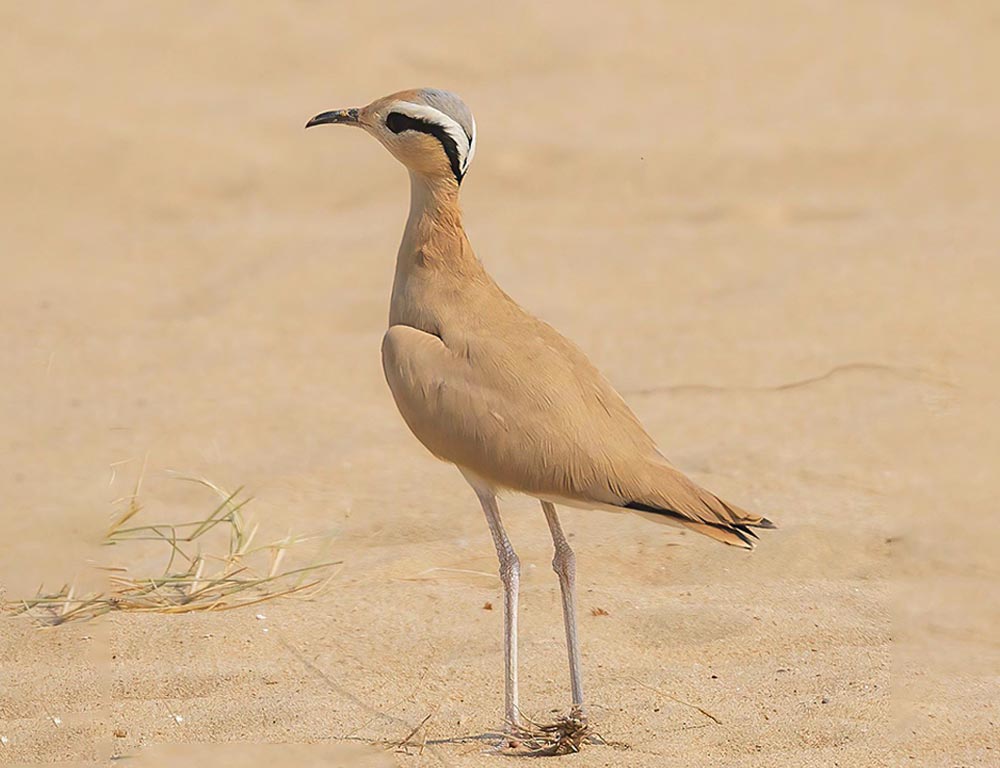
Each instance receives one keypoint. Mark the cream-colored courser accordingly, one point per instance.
(500, 394)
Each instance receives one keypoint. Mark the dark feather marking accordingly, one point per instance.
(743, 530)
(398, 122)
(638, 507)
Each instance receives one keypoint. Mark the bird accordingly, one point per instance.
(485, 385)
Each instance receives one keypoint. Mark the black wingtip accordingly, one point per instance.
(764, 523)
(745, 534)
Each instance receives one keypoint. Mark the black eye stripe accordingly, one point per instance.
(397, 122)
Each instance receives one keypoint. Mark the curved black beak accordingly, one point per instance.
(337, 116)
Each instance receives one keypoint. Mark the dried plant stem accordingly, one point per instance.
(209, 582)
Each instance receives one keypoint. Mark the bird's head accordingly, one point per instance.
(429, 131)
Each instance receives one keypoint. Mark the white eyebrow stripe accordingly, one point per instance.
(472, 148)
(451, 127)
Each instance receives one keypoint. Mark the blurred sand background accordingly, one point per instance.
(722, 203)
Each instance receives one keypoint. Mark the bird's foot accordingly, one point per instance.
(561, 737)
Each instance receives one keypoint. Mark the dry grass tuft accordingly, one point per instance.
(562, 737)
(192, 580)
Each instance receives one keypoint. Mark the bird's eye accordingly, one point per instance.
(397, 123)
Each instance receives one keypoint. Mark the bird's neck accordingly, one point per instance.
(437, 273)
(434, 238)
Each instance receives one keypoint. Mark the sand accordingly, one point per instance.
(774, 227)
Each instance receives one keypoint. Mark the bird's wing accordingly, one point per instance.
(527, 411)
(513, 408)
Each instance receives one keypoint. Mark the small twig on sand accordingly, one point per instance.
(422, 576)
(705, 712)
(904, 372)
(406, 741)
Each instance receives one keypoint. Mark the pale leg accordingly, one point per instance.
(510, 576)
(564, 564)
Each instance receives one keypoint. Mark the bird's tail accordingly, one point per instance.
(736, 535)
(682, 501)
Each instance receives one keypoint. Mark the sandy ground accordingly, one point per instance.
(774, 228)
